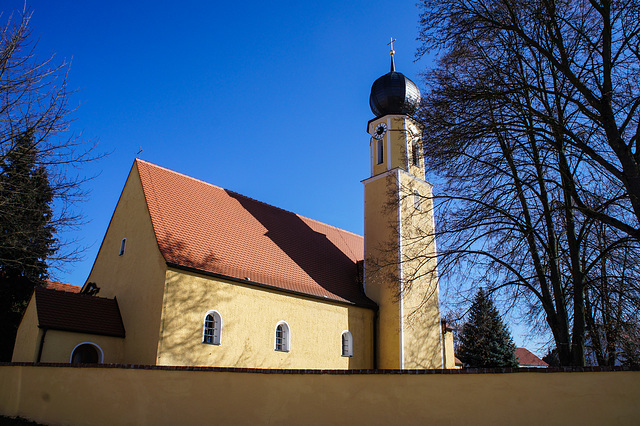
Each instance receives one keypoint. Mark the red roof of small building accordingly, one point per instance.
(210, 229)
(66, 311)
(54, 285)
(528, 359)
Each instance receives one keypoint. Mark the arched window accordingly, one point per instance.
(123, 245)
(283, 337)
(415, 154)
(417, 200)
(347, 343)
(212, 330)
(87, 353)
(380, 151)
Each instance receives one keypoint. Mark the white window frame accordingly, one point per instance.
(285, 344)
(100, 351)
(417, 200)
(346, 342)
(216, 335)
(415, 154)
(123, 246)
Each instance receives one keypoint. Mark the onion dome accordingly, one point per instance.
(393, 93)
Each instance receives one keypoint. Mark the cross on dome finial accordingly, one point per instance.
(392, 53)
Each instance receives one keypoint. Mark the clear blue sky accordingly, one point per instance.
(269, 99)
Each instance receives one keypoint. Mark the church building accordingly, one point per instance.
(193, 274)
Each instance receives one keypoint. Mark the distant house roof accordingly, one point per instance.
(66, 311)
(54, 285)
(528, 359)
(210, 229)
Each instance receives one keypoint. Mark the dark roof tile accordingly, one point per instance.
(60, 310)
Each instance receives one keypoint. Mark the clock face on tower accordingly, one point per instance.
(380, 130)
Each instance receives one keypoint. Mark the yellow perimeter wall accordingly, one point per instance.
(107, 396)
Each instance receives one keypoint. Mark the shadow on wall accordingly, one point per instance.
(187, 300)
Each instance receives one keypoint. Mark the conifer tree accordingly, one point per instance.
(485, 341)
(26, 234)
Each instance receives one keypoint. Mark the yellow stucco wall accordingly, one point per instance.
(135, 278)
(381, 267)
(58, 345)
(420, 293)
(249, 318)
(28, 336)
(397, 277)
(107, 396)
(397, 142)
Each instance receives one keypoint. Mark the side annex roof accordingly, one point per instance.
(67, 311)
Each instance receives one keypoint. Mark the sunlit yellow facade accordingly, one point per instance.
(400, 269)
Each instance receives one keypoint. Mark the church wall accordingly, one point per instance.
(249, 318)
(59, 345)
(136, 278)
(28, 336)
(381, 265)
(420, 294)
(108, 396)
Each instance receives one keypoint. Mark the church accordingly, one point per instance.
(192, 274)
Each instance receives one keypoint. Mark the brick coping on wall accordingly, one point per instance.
(329, 372)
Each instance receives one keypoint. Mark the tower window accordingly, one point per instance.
(380, 149)
(417, 200)
(123, 245)
(415, 154)
(347, 343)
(283, 337)
(212, 329)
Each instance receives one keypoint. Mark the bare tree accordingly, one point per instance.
(531, 122)
(39, 180)
(585, 51)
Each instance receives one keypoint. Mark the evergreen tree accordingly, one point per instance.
(26, 234)
(485, 341)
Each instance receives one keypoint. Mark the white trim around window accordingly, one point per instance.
(97, 348)
(212, 328)
(282, 337)
(347, 343)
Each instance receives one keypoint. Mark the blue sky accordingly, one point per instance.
(269, 99)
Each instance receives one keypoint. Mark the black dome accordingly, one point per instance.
(393, 93)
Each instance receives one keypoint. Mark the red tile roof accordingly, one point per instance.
(54, 285)
(527, 359)
(61, 310)
(213, 230)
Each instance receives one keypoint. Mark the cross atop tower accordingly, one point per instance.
(392, 53)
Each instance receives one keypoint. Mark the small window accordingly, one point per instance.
(212, 329)
(86, 353)
(380, 152)
(417, 200)
(347, 343)
(123, 245)
(415, 154)
(283, 337)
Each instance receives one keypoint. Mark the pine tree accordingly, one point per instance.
(485, 341)
(26, 234)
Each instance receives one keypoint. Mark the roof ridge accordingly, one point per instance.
(245, 196)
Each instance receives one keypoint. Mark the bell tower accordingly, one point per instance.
(400, 266)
